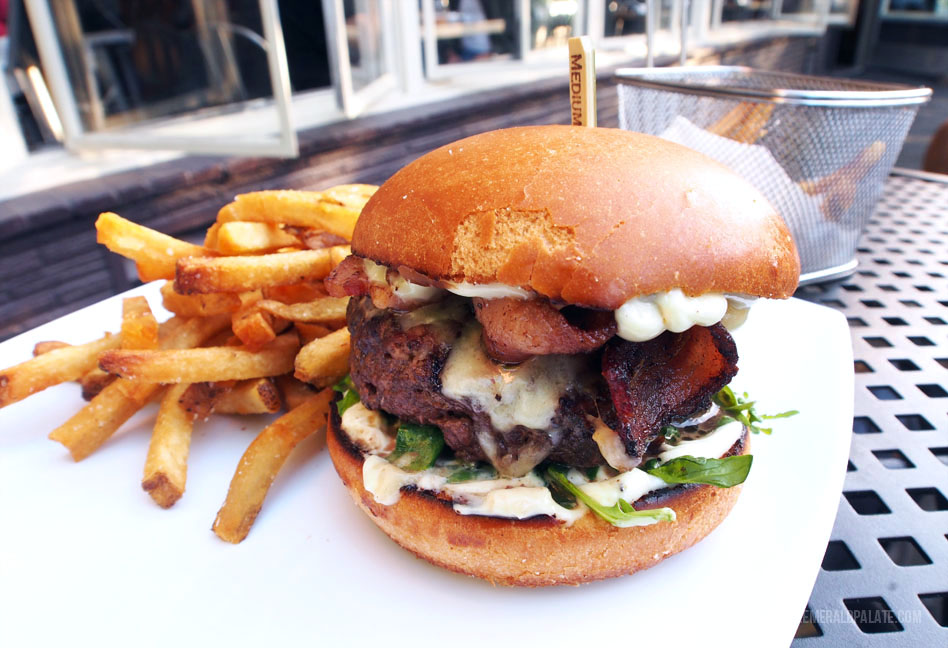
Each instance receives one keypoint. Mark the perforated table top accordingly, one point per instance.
(884, 578)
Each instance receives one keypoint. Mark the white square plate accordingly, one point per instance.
(85, 556)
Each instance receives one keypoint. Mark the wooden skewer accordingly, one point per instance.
(582, 81)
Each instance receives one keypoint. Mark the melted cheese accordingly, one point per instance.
(411, 292)
(526, 394)
(408, 292)
(611, 447)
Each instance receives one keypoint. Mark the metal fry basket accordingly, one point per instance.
(819, 148)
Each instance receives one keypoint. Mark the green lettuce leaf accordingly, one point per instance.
(621, 514)
(726, 472)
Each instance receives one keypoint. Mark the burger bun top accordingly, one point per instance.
(585, 216)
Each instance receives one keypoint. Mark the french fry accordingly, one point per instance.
(95, 423)
(262, 461)
(244, 273)
(210, 236)
(744, 123)
(252, 238)
(293, 391)
(198, 305)
(326, 310)
(139, 326)
(45, 347)
(154, 253)
(309, 332)
(51, 368)
(300, 208)
(350, 195)
(255, 327)
(226, 214)
(94, 381)
(209, 364)
(324, 360)
(840, 188)
(166, 465)
(258, 396)
(295, 293)
(91, 382)
(92, 426)
(200, 399)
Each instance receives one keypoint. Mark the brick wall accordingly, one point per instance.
(50, 264)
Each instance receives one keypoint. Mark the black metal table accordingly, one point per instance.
(884, 577)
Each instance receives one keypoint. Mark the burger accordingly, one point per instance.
(540, 351)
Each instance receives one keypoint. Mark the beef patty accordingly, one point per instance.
(396, 363)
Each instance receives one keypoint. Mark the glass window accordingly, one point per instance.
(474, 30)
(150, 74)
(304, 34)
(129, 61)
(364, 37)
(624, 17)
(742, 10)
(362, 54)
(552, 22)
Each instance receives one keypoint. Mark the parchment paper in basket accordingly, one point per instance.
(802, 212)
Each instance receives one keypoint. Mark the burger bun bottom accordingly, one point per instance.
(538, 551)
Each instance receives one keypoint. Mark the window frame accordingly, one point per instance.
(143, 136)
(354, 102)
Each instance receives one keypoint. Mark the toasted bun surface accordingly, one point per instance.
(587, 216)
(541, 550)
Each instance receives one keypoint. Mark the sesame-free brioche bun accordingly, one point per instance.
(586, 216)
(541, 550)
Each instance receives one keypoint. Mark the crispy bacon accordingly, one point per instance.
(515, 329)
(348, 279)
(668, 378)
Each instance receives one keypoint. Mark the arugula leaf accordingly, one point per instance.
(349, 394)
(621, 514)
(737, 408)
(416, 446)
(726, 472)
(561, 495)
(472, 472)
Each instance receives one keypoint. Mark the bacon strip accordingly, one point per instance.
(348, 279)
(515, 329)
(668, 378)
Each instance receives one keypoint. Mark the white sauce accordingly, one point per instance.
(488, 290)
(366, 428)
(714, 444)
(643, 318)
(521, 503)
(630, 486)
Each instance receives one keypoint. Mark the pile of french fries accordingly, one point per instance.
(253, 332)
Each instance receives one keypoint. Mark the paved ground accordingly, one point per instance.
(930, 115)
